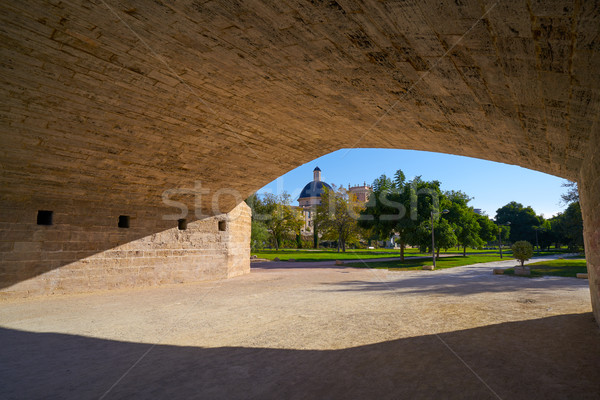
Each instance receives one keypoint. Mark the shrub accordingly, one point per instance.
(522, 251)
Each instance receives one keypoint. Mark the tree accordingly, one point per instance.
(572, 194)
(522, 219)
(259, 235)
(522, 251)
(337, 216)
(385, 212)
(567, 227)
(487, 229)
(399, 207)
(464, 220)
(502, 233)
(426, 198)
(445, 237)
(295, 223)
(277, 215)
(545, 234)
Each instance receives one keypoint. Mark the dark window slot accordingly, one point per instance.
(44, 217)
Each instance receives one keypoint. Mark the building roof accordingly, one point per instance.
(313, 189)
(317, 169)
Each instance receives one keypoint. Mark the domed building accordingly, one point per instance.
(310, 197)
(311, 194)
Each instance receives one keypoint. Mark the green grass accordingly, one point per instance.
(325, 255)
(444, 262)
(367, 254)
(332, 254)
(566, 267)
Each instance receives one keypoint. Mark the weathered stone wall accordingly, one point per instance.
(85, 250)
(589, 193)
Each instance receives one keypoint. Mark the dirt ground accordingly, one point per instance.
(309, 331)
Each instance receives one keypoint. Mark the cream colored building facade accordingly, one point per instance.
(310, 198)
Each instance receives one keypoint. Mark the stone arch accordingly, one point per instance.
(105, 105)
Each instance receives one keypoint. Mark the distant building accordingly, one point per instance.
(362, 193)
(478, 211)
(311, 194)
(310, 197)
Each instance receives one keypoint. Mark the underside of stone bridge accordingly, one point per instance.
(116, 116)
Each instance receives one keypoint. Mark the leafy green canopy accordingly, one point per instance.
(276, 215)
(337, 216)
(406, 208)
(522, 251)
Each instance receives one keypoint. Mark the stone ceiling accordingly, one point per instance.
(116, 101)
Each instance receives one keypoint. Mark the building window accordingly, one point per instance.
(222, 226)
(123, 221)
(44, 217)
(182, 224)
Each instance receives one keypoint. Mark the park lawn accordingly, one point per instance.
(567, 268)
(412, 251)
(325, 255)
(311, 255)
(352, 254)
(443, 262)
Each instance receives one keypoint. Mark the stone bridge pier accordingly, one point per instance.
(589, 193)
(131, 130)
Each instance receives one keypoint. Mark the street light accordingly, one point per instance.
(433, 236)
(500, 236)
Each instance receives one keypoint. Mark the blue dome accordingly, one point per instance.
(313, 189)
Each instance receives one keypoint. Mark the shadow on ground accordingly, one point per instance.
(465, 283)
(555, 357)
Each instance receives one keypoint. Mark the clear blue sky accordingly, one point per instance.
(491, 184)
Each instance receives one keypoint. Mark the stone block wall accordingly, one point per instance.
(85, 250)
(589, 194)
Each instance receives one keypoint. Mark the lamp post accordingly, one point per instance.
(500, 236)
(433, 237)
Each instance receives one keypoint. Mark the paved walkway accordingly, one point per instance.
(309, 333)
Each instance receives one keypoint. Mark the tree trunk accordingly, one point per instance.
(464, 251)
(438, 254)
(402, 251)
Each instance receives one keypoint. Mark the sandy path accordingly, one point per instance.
(290, 330)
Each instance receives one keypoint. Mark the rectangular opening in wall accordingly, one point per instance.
(222, 226)
(123, 221)
(44, 217)
(182, 224)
